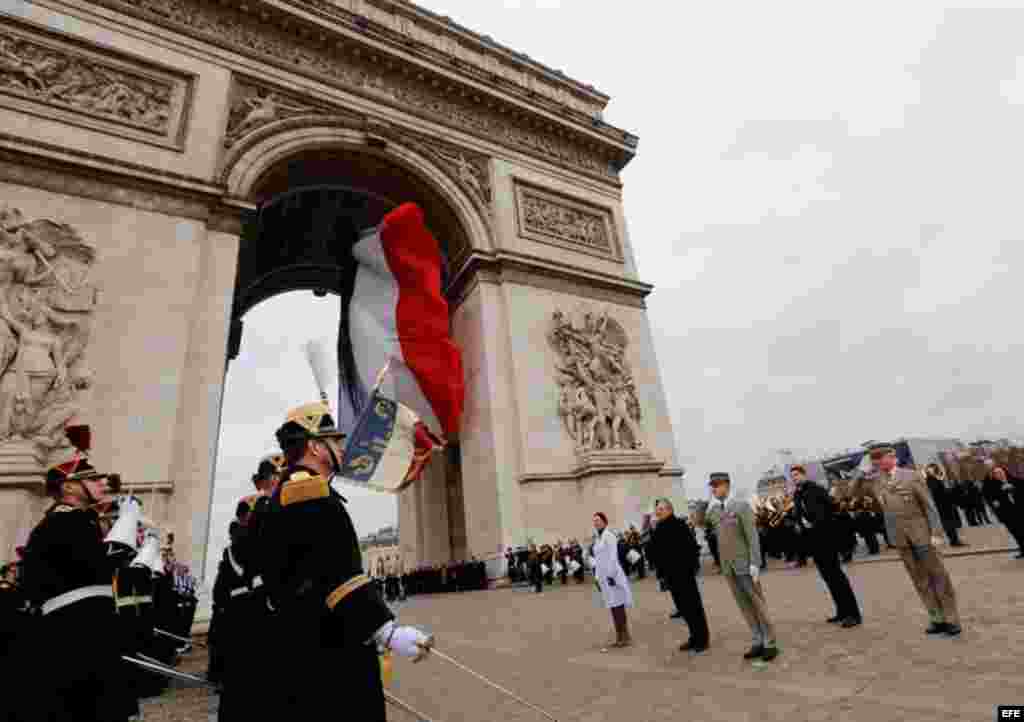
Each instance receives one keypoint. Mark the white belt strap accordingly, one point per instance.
(257, 582)
(234, 565)
(77, 595)
(239, 592)
(128, 601)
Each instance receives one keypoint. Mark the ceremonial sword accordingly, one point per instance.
(177, 638)
(151, 665)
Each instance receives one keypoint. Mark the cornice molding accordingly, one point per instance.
(84, 175)
(602, 464)
(396, 72)
(502, 267)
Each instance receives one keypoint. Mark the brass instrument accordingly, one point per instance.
(769, 511)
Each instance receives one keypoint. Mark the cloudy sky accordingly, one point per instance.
(829, 193)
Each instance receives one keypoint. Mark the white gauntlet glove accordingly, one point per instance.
(408, 642)
(755, 572)
(125, 529)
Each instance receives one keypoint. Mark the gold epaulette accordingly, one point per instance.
(335, 597)
(301, 486)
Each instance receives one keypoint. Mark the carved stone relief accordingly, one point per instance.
(549, 218)
(471, 170)
(410, 89)
(252, 108)
(44, 73)
(597, 400)
(47, 301)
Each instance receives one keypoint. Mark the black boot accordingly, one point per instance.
(756, 651)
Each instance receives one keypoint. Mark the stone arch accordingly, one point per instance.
(255, 155)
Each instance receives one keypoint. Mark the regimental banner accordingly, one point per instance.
(388, 447)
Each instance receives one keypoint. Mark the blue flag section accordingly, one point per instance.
(381, 448)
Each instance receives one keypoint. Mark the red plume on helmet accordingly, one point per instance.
(80, 437)
(78, 466)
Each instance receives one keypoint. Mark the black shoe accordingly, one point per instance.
(756, 651)
(834, 620)
(770, 653)
(691, 647)
(850, 622)
(937, 628)
(953, 630)
(676, 615)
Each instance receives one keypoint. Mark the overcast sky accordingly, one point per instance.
(826, 198)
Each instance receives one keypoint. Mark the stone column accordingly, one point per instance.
(433, 512)
(198, 422)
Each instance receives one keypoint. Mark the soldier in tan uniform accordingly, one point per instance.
(914, 527)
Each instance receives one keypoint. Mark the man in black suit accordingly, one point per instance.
(676, 557)
(813, 511)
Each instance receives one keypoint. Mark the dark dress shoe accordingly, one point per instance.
(691, 647)
(850, 622)
(755, 651)
(937, 628)
(953, 630)
(770, 653)
(834, 620)
(677, 615)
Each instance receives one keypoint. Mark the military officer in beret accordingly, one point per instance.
(331, 621)
(740, 553)
(914, 527)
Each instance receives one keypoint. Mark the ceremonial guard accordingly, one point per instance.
(68, 577)
(331, 620)
(241, 613)
(1000, 491)
(676, 557)
(942, 494)
(914, 528)
(533, 563)
(740, 553)
(824, 536)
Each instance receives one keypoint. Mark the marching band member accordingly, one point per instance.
(739, 548)
(69, 570)
(331, 620)
(611, 580)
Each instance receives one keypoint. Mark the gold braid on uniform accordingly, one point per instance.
(304, 487)
(335, 597)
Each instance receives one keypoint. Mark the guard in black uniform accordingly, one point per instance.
(331, 622)
(241, 614)
(71, 670)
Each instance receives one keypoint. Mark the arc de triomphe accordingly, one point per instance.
(167, 164)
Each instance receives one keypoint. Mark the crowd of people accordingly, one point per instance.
(395, 583)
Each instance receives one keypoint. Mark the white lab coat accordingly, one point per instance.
(606, 555)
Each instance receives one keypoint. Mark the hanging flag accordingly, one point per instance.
(389, 446)
(397, 313)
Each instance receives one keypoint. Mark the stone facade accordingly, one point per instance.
(148, 130)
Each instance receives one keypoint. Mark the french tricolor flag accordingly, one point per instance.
(397, 318)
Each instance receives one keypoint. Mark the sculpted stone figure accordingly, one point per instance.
(46, 306)
(597, 399)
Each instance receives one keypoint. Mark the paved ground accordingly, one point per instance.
(546, 648)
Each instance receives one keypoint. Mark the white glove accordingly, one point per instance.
(408, 642)
(755, 572)
(126, 527)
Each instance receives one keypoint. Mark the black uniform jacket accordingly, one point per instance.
(326, 608)
(83, 681)
(674, 549)
(813, 503)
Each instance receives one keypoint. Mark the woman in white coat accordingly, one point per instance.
(611, 579)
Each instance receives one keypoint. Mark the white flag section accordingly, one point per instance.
(398, 313)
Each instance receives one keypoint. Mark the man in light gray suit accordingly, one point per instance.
(740, 553)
